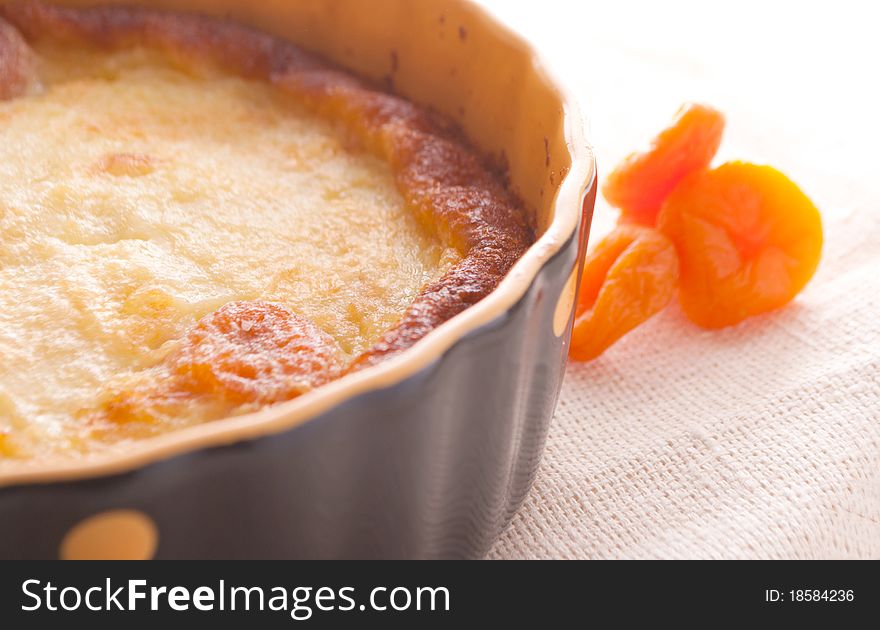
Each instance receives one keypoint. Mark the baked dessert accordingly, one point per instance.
(198, 220)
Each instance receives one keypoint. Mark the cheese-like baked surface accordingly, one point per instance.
(198, 220)
(136, 198)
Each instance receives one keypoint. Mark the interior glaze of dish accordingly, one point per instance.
(198, 220)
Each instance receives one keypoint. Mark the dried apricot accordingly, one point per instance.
(6, 448)
(630, 276)
(138, 407)
(256, 352)
(135, 413)
(748, 240)
(640, 184)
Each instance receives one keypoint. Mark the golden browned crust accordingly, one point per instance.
(18, 74)
(444, 183)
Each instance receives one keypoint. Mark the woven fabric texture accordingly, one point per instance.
(759, 441)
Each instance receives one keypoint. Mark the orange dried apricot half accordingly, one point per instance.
(747, 238)
(630, 276)
(255, 352)
(6, 447)
(640, 184)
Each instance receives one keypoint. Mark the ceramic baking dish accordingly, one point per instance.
(427, 455)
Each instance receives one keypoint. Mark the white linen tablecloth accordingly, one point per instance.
(762, 440)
